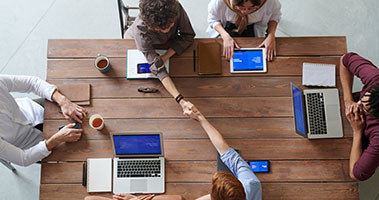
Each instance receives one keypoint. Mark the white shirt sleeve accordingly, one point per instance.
(276, 14)
(27, 84)
(214, 13)
(21, 157)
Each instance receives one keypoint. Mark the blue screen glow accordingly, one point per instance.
(259, 166)
(137, 144)
(248, 60)
(298, 109)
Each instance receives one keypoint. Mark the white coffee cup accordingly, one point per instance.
(96, 121)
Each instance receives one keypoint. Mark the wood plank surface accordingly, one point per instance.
(271, 191)
(179, 67)
(230, 128)
(193, 149)
(168, 108)
(202, 171)
(293, 46)
(191, 87)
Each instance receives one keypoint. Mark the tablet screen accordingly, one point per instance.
(248, 60)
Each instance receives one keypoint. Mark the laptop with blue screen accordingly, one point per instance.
(138, 164)
(316, 113)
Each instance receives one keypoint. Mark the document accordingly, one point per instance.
(315, 74)
(99, 175)
(137, 66)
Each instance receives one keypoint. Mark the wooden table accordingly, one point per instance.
(252, 111)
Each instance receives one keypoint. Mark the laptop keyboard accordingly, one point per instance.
(138, 168)
(316, 113)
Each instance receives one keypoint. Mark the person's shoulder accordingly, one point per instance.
(217, 4)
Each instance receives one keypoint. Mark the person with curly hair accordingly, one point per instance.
(162, 22)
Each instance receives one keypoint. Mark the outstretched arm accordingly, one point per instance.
(216, 138)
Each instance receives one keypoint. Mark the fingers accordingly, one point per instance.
(231, 52)
(236, 45)
(146, 197)
(261, 45)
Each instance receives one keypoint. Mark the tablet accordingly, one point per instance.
(248, 60)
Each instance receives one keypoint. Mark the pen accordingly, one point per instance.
(194, 59)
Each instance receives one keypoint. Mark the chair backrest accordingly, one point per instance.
(126, 20)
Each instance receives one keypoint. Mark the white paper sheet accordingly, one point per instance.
(319, 75)
(135, 57)
(99, 175)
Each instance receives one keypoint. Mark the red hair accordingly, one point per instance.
(225, 186)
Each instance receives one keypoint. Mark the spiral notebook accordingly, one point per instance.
(99, 175)
(322, 75)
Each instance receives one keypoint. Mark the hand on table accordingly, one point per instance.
(66, 134)
(228, 47)
(132, 197)
(72, 111)
(270, 45)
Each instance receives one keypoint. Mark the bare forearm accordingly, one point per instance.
(170, 86)
(272, 25)
(170, 52)
(222, 31)
(356, 151)
(346, 78)
(59, 98)
(216, 138)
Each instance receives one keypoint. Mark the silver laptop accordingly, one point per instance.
(317, 112)
(138, 166)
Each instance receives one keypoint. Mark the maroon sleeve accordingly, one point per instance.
(361, 67)
(365, 167)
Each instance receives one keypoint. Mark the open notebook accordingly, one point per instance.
(315, 74)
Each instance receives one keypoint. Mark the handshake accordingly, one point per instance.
(191, 111)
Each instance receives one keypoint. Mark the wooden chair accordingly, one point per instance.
(125, 19)
(8, 165)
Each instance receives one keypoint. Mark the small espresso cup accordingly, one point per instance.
(96, 121)
(102, 63)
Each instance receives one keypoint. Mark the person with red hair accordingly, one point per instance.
(242, 184)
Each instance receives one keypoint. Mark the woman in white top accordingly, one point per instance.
(244, 18)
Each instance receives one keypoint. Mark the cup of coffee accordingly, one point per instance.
(96, 121)
(102, 63)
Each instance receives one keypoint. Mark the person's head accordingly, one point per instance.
(246, 6)
(226, 186)
(370, 100)
(159, 15)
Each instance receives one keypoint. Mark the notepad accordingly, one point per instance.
(99, 175)
(137, 66)
(315, 74)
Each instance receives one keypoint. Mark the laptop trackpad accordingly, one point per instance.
(138, 185)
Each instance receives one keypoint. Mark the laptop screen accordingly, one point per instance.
(298, 106)
(137, 144)
(248, 60)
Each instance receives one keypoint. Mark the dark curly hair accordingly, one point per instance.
(159, 13)
(241, 2)
(373, 101)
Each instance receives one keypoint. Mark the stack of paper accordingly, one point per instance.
(319, 75)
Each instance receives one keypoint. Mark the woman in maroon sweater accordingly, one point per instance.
(363, 114)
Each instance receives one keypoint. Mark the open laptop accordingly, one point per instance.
(317, 113)
(138, 166)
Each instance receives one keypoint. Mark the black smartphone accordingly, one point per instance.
(77, 126)
(143, 68)
(260, 166)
